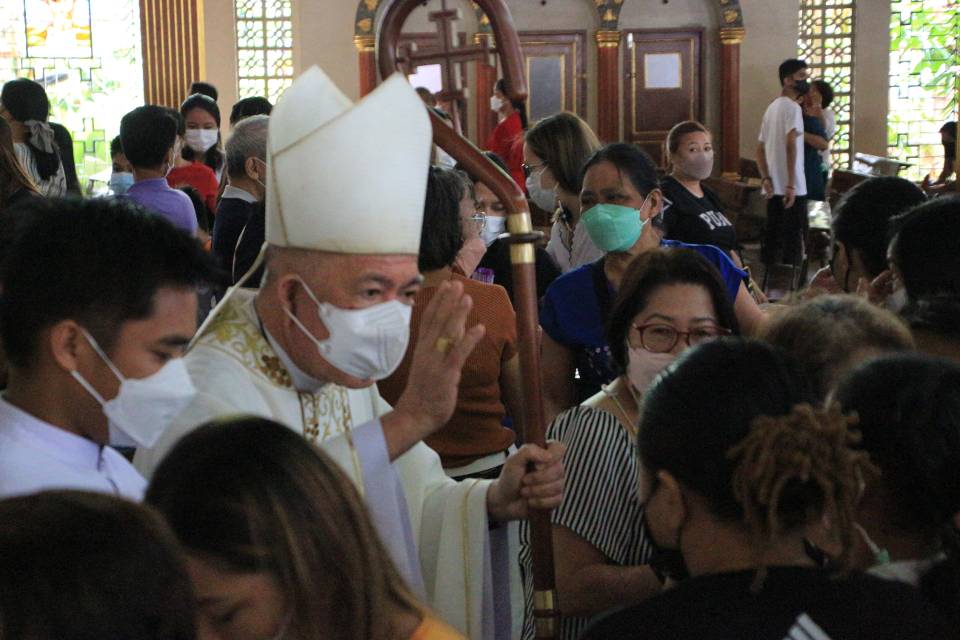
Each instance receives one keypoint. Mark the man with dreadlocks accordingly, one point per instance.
(736, 482)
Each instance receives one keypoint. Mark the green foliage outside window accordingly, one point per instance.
(924, 67)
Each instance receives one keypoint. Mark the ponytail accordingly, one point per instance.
(43, 148)
(794, 468)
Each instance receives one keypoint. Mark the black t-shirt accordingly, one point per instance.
(694, 220)
(794, 602)
(497, 258)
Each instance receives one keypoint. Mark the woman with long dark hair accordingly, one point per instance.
(15, 184)
(25, 107)
(201, 159)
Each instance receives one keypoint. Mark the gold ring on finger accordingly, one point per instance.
(443, 344)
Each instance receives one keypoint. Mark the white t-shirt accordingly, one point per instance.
(783, 116)
(36, 456)
(571, 250)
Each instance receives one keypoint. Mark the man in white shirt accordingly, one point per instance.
(780, 160)
(99, 301)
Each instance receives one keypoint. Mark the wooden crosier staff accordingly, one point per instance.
(521, 238)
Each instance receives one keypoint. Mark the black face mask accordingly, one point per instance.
(665, 563)
(802, 87)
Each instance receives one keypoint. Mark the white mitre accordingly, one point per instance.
(347, 178)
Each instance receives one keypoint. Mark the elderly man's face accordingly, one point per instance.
(348, 282)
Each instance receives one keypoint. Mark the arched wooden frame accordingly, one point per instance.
(608, 71)
(608, 12)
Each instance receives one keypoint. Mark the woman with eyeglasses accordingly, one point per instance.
(622, 203)
(496, 259)
(474, 443)
(554, 151)
(670, 300)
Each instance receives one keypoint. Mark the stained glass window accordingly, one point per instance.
(924, 63)
(87, 56)
(264, 47)
(826, 43)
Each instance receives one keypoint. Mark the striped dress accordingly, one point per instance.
(601, 502)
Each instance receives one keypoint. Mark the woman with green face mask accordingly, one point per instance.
(621, 204)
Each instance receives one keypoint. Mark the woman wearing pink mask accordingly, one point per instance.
(669, 301)
(692, 213)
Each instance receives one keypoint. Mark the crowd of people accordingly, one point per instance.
(243, 399)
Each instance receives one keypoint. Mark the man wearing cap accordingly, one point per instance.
(332, 317)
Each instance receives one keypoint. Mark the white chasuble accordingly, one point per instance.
(436, 529)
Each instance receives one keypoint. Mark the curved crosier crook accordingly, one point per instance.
(522, 237)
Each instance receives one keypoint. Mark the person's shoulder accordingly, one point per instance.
(578, 277)
(182, 199)
(709, 251)
(658, 617)
(592, 422)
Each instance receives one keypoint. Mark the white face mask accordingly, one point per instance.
(445, 160)
(546, 199)
(897, 300)
(494, 226)
(698, 165)
(496, 103)
(644, 367)
(144, 407)
(201, 139)
(368, 344)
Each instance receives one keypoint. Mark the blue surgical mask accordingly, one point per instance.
(120, 182)
(613, 227)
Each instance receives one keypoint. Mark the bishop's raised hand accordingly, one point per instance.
(441, 350)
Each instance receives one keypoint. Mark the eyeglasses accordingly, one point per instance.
(661, 338)
(528, 169)
(479, 219)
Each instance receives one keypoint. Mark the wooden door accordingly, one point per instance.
(663, 84)
(554, 61)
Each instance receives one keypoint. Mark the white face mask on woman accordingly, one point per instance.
(644, 366)
(492, 228)
(697, 165)
(496, 103)
(368, 344)
(546, 199)
(144, 407)
(201, 139)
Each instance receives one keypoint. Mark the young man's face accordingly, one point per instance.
(141, 348)
(802, 74)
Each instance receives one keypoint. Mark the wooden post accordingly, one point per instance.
(730, 39)
(608, 85)
(366, 50)
(486, 77)
(173, 52)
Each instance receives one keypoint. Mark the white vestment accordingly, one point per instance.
(435, 528)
